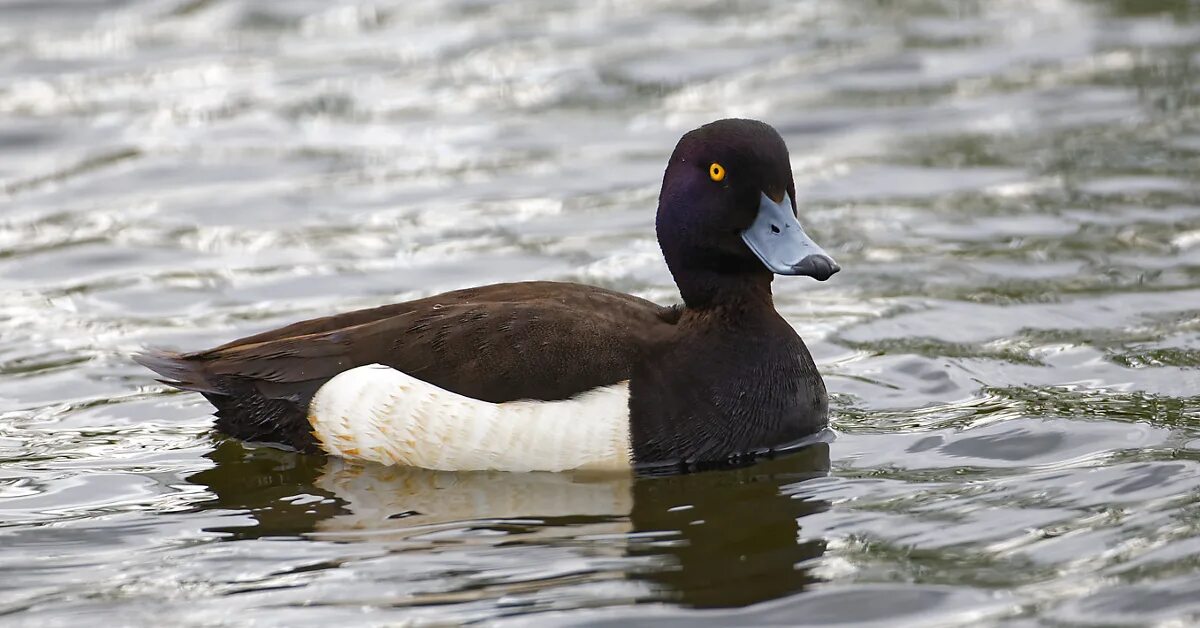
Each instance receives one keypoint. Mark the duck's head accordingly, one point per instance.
(727, 212)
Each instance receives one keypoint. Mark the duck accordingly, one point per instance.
(557, 376)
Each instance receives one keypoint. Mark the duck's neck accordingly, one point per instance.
(704, 289)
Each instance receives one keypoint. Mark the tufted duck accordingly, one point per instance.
(555, 376)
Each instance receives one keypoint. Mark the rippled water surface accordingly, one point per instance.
(1013, 348)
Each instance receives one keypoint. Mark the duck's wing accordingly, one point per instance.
(534, 340)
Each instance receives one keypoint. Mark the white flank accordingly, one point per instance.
(379, 414)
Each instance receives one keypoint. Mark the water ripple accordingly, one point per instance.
(1012, 350)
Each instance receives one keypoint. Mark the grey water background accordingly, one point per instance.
(1012, 348)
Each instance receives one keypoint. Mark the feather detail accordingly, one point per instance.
(379, 414)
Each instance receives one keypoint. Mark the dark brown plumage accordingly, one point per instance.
(530, 340)
(721, 377)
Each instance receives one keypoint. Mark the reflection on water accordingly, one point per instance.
(1012, 348)
(716, 539)
(733, 537)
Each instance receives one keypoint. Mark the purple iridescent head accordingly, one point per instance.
(727, 212)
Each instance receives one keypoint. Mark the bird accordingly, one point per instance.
(557, 376)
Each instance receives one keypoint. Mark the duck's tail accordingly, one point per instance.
(176, 370)
(246, 408)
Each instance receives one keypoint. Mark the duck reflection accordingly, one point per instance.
(732, 537)
(711, 539)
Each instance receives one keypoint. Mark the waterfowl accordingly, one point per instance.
(556, 376)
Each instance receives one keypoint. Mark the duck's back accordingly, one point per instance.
(504, 342)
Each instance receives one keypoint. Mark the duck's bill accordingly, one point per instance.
(779, 241)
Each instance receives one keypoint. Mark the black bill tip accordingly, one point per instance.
(819, 267)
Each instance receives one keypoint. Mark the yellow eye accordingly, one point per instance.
(716, 171)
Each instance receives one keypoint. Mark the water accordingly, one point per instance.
(1012, 349)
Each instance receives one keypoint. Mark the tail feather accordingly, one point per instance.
(242, 408)
(176, 370)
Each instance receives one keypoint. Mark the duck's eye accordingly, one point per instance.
(716, 171)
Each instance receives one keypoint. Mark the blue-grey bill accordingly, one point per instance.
(779, 241)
